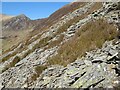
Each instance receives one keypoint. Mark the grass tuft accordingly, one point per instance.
(90, 36)
(12, 64)
(38, 70)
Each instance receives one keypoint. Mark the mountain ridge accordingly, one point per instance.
(79, 50)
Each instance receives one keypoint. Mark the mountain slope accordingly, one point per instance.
(79, 50)
(16, 23)
(23, 25)
(5, 17)
(17, 29)
(53, 18)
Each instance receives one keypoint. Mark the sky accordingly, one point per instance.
(34, 10)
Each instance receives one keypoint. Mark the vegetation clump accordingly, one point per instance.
(15, 60)
(90, 36)
(38, 70)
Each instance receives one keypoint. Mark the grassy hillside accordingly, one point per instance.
(91, 36)
(15, 37)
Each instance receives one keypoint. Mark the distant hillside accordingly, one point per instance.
(78, 46)
(16, 23)
(5, 17)
(53, 18)
(30, 27)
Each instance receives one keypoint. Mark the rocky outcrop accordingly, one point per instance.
(98, 68)
(19, 22)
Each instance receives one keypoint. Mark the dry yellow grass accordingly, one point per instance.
(89, 37)
(12, 64)
(14, 38)
(56, 16)
(38, 70)
(95, 7)
(77, 46)
(85, 39)
(24, 35)
(5, 17)
(8, 43)
(56, 42)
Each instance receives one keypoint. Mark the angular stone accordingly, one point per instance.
(88, 63)
(112, 57)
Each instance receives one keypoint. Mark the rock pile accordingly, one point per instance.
(99, 68)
